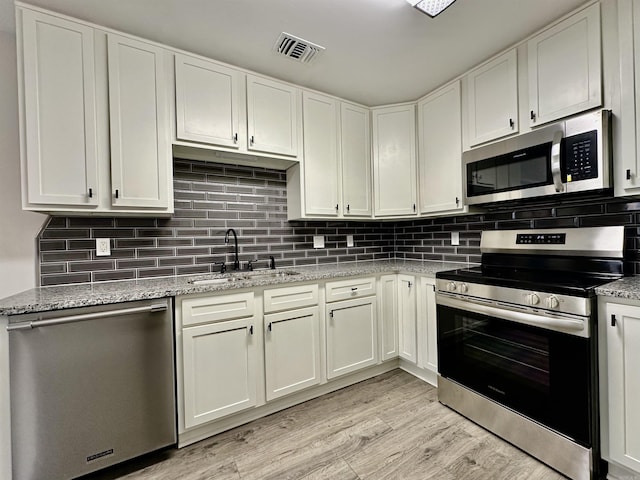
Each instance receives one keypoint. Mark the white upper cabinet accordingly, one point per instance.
(94, 126)
(492, 99)
(627, 161)
(321, 155)
(355, 141)
(207, 102)
(59, 112)
(565, 68)
(440, 151)
(139, 123)
(272, 116)
(394, 160)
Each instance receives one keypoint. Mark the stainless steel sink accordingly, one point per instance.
(239, 276)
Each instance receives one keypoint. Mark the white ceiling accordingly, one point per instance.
(377, 51)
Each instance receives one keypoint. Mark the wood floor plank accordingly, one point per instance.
(390, 427)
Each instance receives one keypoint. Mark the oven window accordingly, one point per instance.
(522, 169)
(544, 375)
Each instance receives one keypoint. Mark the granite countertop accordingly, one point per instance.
(103, 293)
(627, 287)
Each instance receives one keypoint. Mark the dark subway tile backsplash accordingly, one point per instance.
(210, 198)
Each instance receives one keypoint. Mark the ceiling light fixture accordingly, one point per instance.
(431, 7)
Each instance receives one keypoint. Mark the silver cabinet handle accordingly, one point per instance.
(87, 316)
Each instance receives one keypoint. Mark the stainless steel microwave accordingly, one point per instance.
(565, 157)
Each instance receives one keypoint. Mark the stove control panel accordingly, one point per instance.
(525, 298)
(541, 238)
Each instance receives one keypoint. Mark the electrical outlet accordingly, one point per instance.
(455, 238)
(103, 247)
(318, 241)
(349, 240)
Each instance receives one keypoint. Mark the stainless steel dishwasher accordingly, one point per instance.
(90, 387)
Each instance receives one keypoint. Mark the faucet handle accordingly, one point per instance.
(272, 262)
(250, 265)
(223, 267)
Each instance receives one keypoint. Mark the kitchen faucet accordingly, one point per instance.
(236, 262)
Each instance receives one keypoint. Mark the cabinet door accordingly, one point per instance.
(272, 116)
(623, 358)
(321, 162)
(139, 124)
(407, 317)
(207, 96)
(627, 162)
(492, 99)
(565, 68)
(394, 160)
(219, 361)
(355, 141)
(389, 316)
(427, 326)
(59, 111)
(291, 351)
(440, 151)
(351, 336)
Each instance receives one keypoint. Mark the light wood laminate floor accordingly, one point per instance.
(389, 427)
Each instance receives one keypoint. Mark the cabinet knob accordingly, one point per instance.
(91, 192)
(628, 174)
(533, 115)
(117, 193)
(409, 284)
(269, 326)
(235, 138)
(251, 140)
(336, 207)
(353, 289)
(414, 207)
(251, 329)
(613, 320)
(511, 123)
(348, 207)
(457, 201)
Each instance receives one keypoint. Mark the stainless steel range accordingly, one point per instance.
(517, 340)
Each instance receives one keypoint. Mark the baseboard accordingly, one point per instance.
(617, 472)
(427, 376)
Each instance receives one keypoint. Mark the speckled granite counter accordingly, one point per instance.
(103, 293)
(627, 287)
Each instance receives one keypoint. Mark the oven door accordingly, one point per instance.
(544, 374)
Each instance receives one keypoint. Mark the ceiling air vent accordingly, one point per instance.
(297, 48)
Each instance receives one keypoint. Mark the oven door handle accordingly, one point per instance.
(571, 326)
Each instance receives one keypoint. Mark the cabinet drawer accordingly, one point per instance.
(217, 308)
(352, 288)
(290, 297)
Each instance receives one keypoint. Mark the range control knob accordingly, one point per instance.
(452, 287)
(464, 288)
(553, 302)
(533, 299)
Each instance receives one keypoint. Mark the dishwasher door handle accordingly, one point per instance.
(87, 316)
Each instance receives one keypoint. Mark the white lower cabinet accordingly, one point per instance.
(407, 318)
(219, 356)
(388, 294)
(291, 351)
(352, 335)
(620, 383)
(427, 325)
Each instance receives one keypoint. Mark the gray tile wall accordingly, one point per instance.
(209, 199)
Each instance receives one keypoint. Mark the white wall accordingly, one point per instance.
(18, 229)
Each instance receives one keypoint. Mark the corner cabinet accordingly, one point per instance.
(565, 68)
(491, 106)
(440, 151)
(394, 160)
(619, 326)
(112, 151)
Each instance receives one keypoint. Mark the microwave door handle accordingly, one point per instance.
(556, 174)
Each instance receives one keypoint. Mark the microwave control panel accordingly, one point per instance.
(580, 157)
